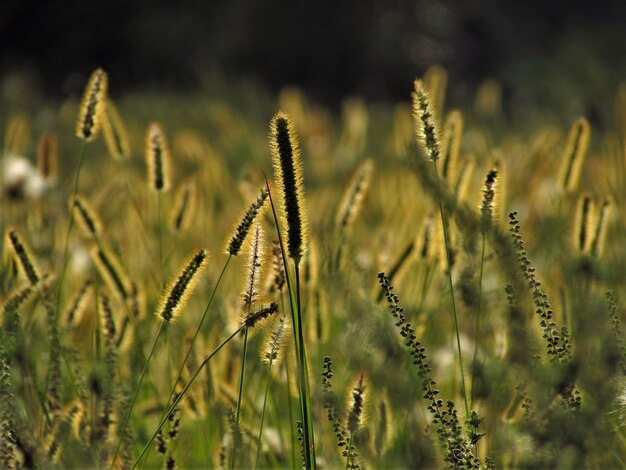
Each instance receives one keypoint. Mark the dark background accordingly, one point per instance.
(546, 50)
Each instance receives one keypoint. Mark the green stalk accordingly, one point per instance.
(303, 382)
(169, 410)
(160, 196)
(241, 379)
(136, 392)
(291, 420)
(450, 285)
(70, 224)
(348, 452)
(195, 335)
(267, 387)
(480, 298)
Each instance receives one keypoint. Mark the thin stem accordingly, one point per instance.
(477, 333)
(348, 452)
(304, 380)
(267, 387)
(160, 196)
(241, 379)
(450, 285)
(132, 401)
(70, 224)
(296, 316)
(180, 396)
(195, 335)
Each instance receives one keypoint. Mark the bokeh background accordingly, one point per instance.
(568, 56)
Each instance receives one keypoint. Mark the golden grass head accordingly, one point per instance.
(86, 216)
(583, 225)
(48, 156)
(92, 106)
(74, 313)
(574, 154)
(184, 207)
(599, 233)
(254, 268)
(451, 144)
(115, 135)
(490, 197)
(356, 401)
(274, 341)
(426, 123)
(180, 287)
(111, 271)
(23, 256)
(240, 232)
(354, 194)
(262, 312)
(288, 170)
(276, 278)
(157, 158)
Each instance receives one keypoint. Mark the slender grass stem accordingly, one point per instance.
(70, 224)
(136, 392)
(477, 333)
(444, 223)
(241, 379)
(182, 394)
(303, 382)
(267, 388)
(348, 452)
(160, 196)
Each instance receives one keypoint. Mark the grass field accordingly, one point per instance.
(448, 288)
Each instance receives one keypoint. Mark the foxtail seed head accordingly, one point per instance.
(24, 257)
(48, 156)
(240, 232)
(261, 313)
(184, 207)
(157, 158)
(354, 194)
(276, 278)
(599, 233)
(288, 170)
(574, 154)
(180, 287)
(426, 123)
(583, 227)
(111, 271)
(92, 106)
(87, 217)
(273, 344)
(114, 132)
(355, 402)
(251, 286)
(451, 144)
(489, 200)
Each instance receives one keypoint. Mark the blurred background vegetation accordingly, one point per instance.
(565, 56)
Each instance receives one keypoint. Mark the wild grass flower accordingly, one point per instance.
(115, 135)
(240, 232)
(23, 256)
(288, 168)
(92, 106)
(574, 155)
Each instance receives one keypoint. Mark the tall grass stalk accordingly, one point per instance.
(267, 388)
(477, 331)
(182, 394)
(302, 371)
(444, 223)
(162, 328)
(240, 393)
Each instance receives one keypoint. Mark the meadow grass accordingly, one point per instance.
(465, 293)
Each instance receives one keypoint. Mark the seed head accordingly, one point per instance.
(92, 106)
